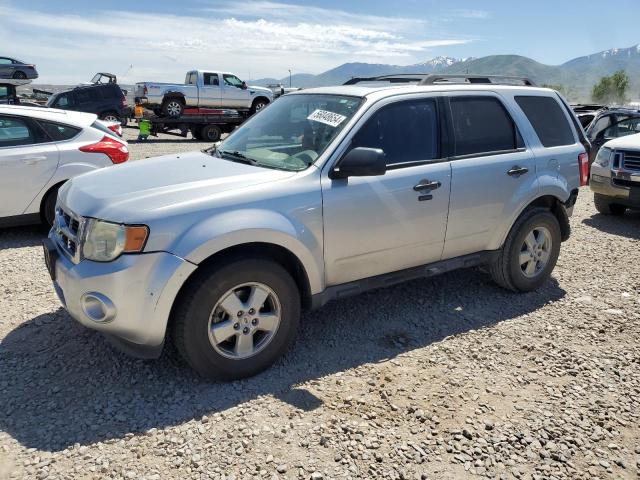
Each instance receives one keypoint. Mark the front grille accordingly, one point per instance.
(68, 231)
(631, 160)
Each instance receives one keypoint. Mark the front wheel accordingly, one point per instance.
(210, 133)
(236, 318)
(605, 206)
(529, 253)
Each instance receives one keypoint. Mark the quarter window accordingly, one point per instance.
(547, 119)
(406, 132)
(15, 132)
(481, 125)
(58, 132)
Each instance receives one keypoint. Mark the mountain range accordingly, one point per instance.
(577, 76)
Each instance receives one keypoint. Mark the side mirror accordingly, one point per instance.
(244, 86)
(360, 162)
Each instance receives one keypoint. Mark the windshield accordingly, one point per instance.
(291, 133)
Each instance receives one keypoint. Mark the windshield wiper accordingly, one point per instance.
(236, 157)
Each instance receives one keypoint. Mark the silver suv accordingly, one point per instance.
(327, 193)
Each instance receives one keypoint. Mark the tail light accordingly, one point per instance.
(116, 151)
(583, 163)
(116, 128)
(145, 90)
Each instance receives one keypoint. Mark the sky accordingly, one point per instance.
(158, 40)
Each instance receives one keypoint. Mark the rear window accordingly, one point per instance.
(481, 125)
(59, 132)
(547, 119)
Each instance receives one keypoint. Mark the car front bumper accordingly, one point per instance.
(129, 299)
(624, 188)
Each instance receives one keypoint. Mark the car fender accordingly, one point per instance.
(237, 227)
(547, 185)
(62, 174)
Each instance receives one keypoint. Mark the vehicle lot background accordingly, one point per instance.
(439, 378)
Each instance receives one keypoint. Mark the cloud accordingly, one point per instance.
(257, 38)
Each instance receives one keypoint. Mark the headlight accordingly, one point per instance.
(603, 157)
(106, 241)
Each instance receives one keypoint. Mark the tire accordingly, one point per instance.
(48, 209)
(19, 75)
(606, 207)
(258, 105)
(509, 270)
(110, 117)
(200, 304)
(210, 133)
(172, 107)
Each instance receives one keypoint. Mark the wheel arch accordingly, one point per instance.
(260, 97)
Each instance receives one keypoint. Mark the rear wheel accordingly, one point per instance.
(605, 206)
(173, 107)
(48, 210)
(210, 133)
(529, 253)
(110, 117)
(235, 319)
(19, 75)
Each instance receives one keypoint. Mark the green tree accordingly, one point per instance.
(611, 89)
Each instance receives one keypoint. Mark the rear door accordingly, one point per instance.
(28, 160)
(210, 92)
(492, 170)
(6, 67)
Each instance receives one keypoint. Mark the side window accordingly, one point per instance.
(5, 61)
(211, 79)
(600, 125)
(58, 132)
(406, 132)
(630, 126)
(232, 81)
(547, 119)
(65, 100)
(191, 78)
(16, 132)
(4, 92)
(482, 125)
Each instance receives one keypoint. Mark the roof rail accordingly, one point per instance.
(483, 79)
(397, 78)
(431, 79)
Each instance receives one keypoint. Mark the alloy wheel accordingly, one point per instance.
(535, 251)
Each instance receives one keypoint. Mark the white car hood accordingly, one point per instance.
(157, 187)
(261, 90)
(629, 141)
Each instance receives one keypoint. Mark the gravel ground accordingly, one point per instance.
(442, 378)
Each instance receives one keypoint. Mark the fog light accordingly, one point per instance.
(597, 178)
(98, 307)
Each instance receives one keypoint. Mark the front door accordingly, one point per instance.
(233, 95)
(382, 224)
(26, 164)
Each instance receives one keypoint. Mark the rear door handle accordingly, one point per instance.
(33, 160)
(517, 170)
(426, 185)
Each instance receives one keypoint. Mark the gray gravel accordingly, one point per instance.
(444, 378)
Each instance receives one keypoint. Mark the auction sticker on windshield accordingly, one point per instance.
(328, 118)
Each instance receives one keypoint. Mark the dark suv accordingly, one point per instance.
(611, 123)
(105, 100)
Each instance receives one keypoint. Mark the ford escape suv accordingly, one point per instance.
(328, 192)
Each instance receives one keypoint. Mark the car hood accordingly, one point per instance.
(628, 141)
(268, 91)
(163, 186)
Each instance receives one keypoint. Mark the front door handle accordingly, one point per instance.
(425, 184)
(517, 170)
(33, 160)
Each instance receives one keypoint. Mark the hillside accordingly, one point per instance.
(577, 75)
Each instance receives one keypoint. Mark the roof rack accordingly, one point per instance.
(432, 79)
(482, 79)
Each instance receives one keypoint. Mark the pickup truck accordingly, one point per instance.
(202, 88)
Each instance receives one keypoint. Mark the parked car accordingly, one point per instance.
(586, 112)
(103, 99)
(40, 149)
(202, 88)
(328, 192)
(611, 123)
(16, 69)
(615, 175)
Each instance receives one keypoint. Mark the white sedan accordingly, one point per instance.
(40, 149)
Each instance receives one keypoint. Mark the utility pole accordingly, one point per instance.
(289, 78)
